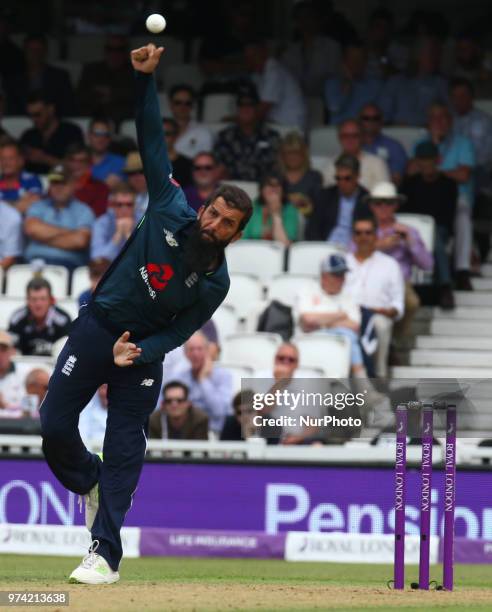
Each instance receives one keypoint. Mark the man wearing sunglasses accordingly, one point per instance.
(192, 136)
(112, 229)
(167, 281)
(375, 142)
(205, 175)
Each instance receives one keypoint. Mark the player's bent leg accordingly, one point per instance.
(76, 377)
(133, 394)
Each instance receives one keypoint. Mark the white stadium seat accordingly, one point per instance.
(244, 291)
(8, 306)
(57, 347)
(330, 353)
(225, 320)
(20, 274)
(252, 350)
(250, 187)
(238, 372)
(177, 74)
(128, 129)
(285, 287)
(258, 257)
(319, 162)
(218, 106)
(80, 281)
(70, 306)
(283, 130)
(406, 136)
(424, 224)
(16, 125)
(306, 257)
(324, 141)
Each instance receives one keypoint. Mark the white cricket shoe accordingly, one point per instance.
(94, 569)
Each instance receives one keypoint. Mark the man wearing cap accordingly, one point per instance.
(59, 227)
(430, 192)
(401, 242)
(11, 383)
(112, 230)
(248, 149)
(331, 310)
(135, 178)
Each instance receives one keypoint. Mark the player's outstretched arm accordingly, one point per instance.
(150, 133)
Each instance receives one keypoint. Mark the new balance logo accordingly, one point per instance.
(147, 382)
(69, 365)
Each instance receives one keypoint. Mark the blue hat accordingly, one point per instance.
(334, 264)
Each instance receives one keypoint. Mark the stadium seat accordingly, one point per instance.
(85, 48)
(305, 257)
(82, 122)
(406, 136)
(128, 129)
(252, 350)
(70, 306)
(8, 306)
(330, 353)
(261, 258)
(250, 187)
(26, 363)
(324, 141)
(176, 74)
(225, 320)
(484, 105)
(57, 347)
(424, 224)
(238, 372)
(74, 69)
(80, 281)
(16, 125)
(283, 130)
(245, 289)
(218, 106)
(285, 287)
(319, 162)
(20, 274)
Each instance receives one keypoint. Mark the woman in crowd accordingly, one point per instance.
(274, 217)
(302, 183)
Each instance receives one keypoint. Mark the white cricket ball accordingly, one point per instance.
(155, 23)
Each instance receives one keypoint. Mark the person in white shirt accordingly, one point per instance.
(193, 138)
(11, 382)
(281, 97)
(375, 281)
(92, 421)
(373, 169)
(331, 310)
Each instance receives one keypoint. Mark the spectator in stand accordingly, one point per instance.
(376, 142)
(112, 229)
(401, 242)
(430, 192)
(97, 268)
(135, 178)
(457, 160)
(335, 207)
(182, 165)
(274, 216)
(17, 187)
(59, 227)
(330, 310)
(281, 99)
(476, 125)
(193, 138)
(46, 144)
(375, 282)
(39, 324)
(177, 418)
(385, 55)
(38, 75)
(470, 64)
(406, 97)
(106, 88)
(345, 95)
(312, 57)
(210, 386)
(240, 426)
(89, 190)
(372, 168)
(11, 242)
(106, 166)
(248, 148)
(206, 173)
(92, 420)
(302, 183)
(11, 382)
(36, 386)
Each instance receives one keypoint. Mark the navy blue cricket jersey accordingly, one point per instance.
(147, 289)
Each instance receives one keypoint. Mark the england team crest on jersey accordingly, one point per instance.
(170, 239)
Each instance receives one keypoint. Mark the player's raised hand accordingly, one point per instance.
(146, 58)
(125, 352)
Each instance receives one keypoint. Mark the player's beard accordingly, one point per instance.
(201, 253)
